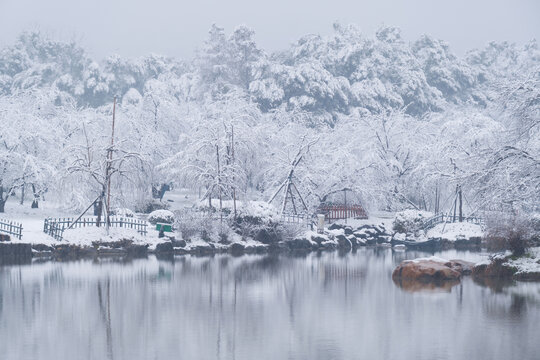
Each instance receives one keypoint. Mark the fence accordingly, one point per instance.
(11, 228)
(442, 218)
(55, 226)
(336, 212)
(296, 218)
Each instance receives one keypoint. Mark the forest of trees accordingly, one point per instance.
(401, 123)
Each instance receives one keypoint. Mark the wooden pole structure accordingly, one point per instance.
(460, 204)
(455, 205)
(109, 165)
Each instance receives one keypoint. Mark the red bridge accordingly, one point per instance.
(336, 212)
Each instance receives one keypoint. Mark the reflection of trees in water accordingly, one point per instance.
(227, 307)
(105, 310)
(508, 298)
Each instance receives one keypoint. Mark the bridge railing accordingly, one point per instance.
(448, 218)
(341, 211)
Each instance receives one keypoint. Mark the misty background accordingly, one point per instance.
(177, 28)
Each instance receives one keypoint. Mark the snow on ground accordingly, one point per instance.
(529, 263)
(32, 222)
(85, 236)
(455, 231)
(32, 219)
(381, 219)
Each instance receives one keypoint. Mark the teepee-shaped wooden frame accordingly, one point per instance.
(288, 184)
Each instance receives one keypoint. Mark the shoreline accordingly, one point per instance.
(14, 252)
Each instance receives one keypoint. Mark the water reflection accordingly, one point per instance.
(314, 306)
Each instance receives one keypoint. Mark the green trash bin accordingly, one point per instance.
(164, 227)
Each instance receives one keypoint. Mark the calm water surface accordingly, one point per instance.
(327, 306)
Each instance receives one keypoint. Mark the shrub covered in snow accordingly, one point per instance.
(508, 232)
(161, 216)
(410, 221)
(123, 212)
(192, 224)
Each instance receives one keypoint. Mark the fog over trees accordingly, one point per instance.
(401, 123)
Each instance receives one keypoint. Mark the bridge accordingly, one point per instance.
(447, 218)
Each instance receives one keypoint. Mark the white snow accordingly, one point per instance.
(455, 231)
(529, 263)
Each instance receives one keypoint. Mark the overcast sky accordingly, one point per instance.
(177, 28)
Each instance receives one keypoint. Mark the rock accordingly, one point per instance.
(319, 239)
(237, 248)
(178, 243)
(335, 226)
(427, 269)
(494, 269)
(65, 251)
(328, 245)
(4, 237)
(343, 242)
(348, 230)
(353, 240)
(204, 249)
(42, 247)
(15, 250)
(299, 244)
(137, 250)
(266, 237)
(462, 266)
(165, 247)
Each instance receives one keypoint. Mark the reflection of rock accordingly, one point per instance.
(432, 269)
(495, 284)
(494, 269)
(413, 285)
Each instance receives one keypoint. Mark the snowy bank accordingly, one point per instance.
(507, 266)
(455, 231)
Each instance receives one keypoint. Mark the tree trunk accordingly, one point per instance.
(22, 194)
(99, 209)
(219, 186)
(35, 203)
(2, 200)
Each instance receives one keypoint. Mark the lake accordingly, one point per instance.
(315, 306)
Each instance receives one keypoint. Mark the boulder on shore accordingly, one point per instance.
(432, 269)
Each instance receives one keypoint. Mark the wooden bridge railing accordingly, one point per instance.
(447, 218)
(336, 212)
(11, 228)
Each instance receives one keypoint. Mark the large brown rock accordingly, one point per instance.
(432, 269)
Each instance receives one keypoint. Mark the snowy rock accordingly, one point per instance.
(165, 247)
(343, 242)
(237, 248)
(503, 266)
(178, 243)
(299, 244)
